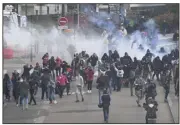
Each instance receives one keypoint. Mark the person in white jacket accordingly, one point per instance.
(79, 87)
(119, 77)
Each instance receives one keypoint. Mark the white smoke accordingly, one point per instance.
(50, 39)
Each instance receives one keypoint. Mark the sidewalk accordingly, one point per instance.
(173, 103)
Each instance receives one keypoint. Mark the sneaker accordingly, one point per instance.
(55, 102)
(90, 91)
(17, 105)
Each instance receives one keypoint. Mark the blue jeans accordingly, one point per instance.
(24, 101)
(100, 94)
(51, 93)
(106, 113)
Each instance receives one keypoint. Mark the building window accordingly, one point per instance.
(47, 10)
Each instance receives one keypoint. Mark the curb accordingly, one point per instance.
(169, 105)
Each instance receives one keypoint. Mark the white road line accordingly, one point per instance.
(169, 101)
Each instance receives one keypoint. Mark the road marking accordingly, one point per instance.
(38, 113)
(39, 119)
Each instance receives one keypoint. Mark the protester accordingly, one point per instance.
(58, 66)
(45, 79)
(79, 88)
(24, 89)
(90, 77)
(7, 85)
(61, 82)
(105, 104)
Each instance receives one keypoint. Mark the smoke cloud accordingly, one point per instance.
(52, 41)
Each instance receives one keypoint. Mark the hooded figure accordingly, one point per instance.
(26, 73)
(24, 90)
(93, 60)
(105, 58)
(115, 56)
(45, 79)
(37, 68)
(52, 65)
(7, 85)
(15, 80)
(157, 66)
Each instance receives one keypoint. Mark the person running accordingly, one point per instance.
(61, 82)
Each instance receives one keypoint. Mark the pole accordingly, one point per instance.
(62, 10)
(31, 56)
(26, 9)
(78, 16)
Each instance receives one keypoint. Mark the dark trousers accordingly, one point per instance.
(61, 90)
(16, 96)
(114, 82)
(131, 85)
(166, 93)
(32, 96)
(67, 88)
(106, 113)
(118, 83)
(90, 85)
(44, 90)
(157, 75)
(58, 71)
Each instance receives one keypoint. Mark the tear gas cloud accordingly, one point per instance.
(52, 38)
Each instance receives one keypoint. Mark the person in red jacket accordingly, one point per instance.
(61, 83)
(90, 77)
(58, 66)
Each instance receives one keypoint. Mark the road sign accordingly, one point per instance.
(62, 27)
(62, 21)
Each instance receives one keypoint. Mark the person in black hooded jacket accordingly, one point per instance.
(115, 55)
(105, 58)
(93, 60)
(26, 73)
(157, 66)
(52, 66)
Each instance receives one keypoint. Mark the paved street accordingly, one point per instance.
(123, 110)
